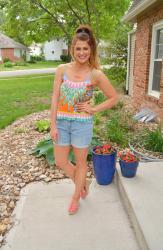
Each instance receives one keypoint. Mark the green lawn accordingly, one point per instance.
(24, 95)
(38, 65)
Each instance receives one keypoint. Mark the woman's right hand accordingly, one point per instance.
(54, 133)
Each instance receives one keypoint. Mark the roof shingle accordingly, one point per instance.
(7, 42)
(135, 3)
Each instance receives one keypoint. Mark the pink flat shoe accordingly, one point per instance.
(73, 208)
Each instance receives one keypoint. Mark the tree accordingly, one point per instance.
(41, 20)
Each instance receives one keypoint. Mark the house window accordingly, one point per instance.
(17, 53)
(156, 59)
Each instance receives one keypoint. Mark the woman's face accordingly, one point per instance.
(82, 51)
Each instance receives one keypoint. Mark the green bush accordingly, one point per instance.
(65, 58)
(117, 76)
(37, 58)
(6, 59)
(31, 61)
(8, 64)
(99, 97)
(154, 140)
(20, 64)
(43, 125)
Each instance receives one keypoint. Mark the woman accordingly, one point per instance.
(71, 111)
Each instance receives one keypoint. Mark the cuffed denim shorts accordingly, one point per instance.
(75, 133)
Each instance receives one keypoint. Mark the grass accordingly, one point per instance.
(38, 65)
(24, 95)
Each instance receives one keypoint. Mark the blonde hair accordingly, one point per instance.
(85, 33)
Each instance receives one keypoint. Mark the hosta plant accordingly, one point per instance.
(42, 125)
(46, 148)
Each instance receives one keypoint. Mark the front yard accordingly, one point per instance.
(38, 65)
(24, 95)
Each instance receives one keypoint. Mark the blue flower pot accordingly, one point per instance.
(128, 169)
(104, 167)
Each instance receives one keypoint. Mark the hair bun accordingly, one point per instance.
(84, 29)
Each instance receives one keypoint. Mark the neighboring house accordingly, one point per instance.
(145, 54)
(35, 49)
(12, 49)
(52, 49)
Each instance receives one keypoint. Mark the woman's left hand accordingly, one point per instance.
(84, 107)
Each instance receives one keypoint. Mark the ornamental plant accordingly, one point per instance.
(128, 156)
(105, 149)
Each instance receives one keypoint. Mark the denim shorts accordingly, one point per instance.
(75, 133)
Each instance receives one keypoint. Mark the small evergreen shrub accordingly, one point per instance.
(65, 58)
(8, 64)
(20, 64)
(6, 59)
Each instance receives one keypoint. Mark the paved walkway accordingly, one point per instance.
(42, 221)
(11, 73)
(22, 72)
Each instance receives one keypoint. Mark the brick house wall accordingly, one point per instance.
(10, 54)
(142, 62)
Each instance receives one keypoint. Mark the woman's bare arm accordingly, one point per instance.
(55, 95)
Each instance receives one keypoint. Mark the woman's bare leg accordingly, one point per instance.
(81, 172)
(61, 159)
(61, 154)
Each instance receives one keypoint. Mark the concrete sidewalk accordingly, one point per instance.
(42, 221)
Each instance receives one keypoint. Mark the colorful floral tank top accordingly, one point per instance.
(72, 93)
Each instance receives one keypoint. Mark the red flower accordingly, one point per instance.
(105, 149)
(128, 156)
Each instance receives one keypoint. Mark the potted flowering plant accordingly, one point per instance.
(128, 163)
(104, 161)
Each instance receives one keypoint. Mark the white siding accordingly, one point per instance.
(130, 67)
(0, 55)
(54, 49)
(35, 49)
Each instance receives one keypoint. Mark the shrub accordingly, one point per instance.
(20, 64)
(6, 59)
(31, 61)
(8, 64)
(65, 58)
(117, 76)
(37, 58)
(99, 97)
